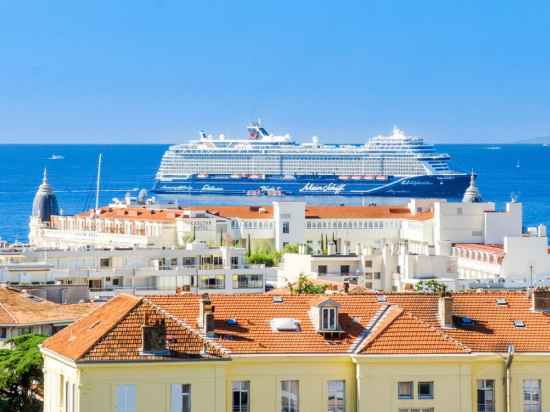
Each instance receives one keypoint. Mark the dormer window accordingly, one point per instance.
(324, 316)
(329, 319)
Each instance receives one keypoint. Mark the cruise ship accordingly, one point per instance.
(268, 165)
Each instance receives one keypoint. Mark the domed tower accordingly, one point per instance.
(472, 194)
(44, 206)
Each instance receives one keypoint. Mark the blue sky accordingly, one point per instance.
(158, 71)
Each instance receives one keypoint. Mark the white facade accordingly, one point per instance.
(197, 268)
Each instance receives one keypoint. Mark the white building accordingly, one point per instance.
(417, 241)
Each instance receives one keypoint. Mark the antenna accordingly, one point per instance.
(97, 183)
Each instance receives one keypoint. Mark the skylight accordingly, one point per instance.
(285, 325)
(519, 323)
(502, 302)
(277, 299)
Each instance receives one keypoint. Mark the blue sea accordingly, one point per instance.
(128, 168)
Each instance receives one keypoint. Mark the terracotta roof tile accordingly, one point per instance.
(242, 325)
(19, 308)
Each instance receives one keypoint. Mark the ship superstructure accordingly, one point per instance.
(394, 165)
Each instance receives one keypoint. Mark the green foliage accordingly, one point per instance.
(20, 370)
(291, 248)
(430, 286)
(304, 286)
(266, 257)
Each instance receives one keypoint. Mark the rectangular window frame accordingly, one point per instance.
(287, 403)
(240, 388)
(532, 394)
(431, 386)
(485, 386)
(405, 396)
(336, 399)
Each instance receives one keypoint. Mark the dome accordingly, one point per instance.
(142, 197)
(472, 194)
(44, 204)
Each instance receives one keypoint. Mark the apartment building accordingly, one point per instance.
(109, 271)
(22, 312)
(397, 352)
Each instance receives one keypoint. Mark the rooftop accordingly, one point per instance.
(405, 323)
(18, 308)
(259, 212)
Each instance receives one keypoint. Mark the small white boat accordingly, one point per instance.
(518, 165)
(494, 148)
(56, 157)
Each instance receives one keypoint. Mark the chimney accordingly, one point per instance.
(206, 317)
(445, 310)
(346, 287)
(540, 300)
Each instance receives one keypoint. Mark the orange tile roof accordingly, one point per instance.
(364, 212)
(18, 308)
(261, 212)
(405, 323)
(491, 248)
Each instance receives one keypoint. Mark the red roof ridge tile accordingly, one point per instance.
(392, 313)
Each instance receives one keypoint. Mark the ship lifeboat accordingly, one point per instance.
(256, 176)
(344, 177)
(381, 177)
(356, 177)
(369, 177)
(289, 177)
(235, 176)
(202, 175)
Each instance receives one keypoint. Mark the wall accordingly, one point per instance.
(501, 224)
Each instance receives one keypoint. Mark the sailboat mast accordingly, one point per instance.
(97, 183)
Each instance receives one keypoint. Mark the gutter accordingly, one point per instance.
(508, 366)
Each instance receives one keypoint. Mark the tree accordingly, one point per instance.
(304, 286)
(20, 372)
(430, 286)
(264, 257)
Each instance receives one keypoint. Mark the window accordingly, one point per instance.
(290, 396)
(405, 390)
(328, 319)
(181, 398)
(485, 395)
(105, 263)
(174, 262)
(368, 263)
(531, 395)
(322, 269)
(234, 261)
(248, 281)
(241, 396)
(69, 397)
(3, 333)
(286, 227)
(212, 282)
(425, 390)
(126, 398)
(344, 270)
(336, 396)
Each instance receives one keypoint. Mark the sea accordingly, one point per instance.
(504, 171)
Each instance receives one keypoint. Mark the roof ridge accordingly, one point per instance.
(15, 320)
(439, 331)
(184, 324)
(138, 300)
(390, 315)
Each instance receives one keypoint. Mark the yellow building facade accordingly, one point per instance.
(85, 370)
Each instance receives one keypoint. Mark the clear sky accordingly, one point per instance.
(159, 71)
